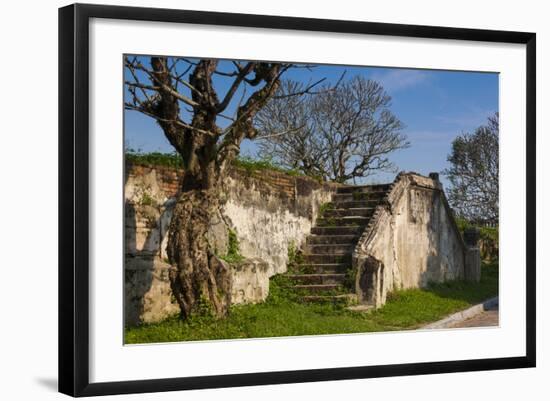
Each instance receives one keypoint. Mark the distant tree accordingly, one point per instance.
(287, 131)
(473, 174)
(338, 133)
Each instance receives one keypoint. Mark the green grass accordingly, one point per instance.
(283, 315)
(154, 159)
(248, 164)
(413, 308)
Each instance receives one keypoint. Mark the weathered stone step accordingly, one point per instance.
(319, 288)
(323, 259)
(359, 196)
(324, 268)
(340, 298)
(330, 249)
(363, 188)
(318, 278)
(361, 212)
(331, 239)
(355, 204)
(342, 221)
(342, 230)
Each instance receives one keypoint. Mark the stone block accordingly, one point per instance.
(148, 296)
(250, 281)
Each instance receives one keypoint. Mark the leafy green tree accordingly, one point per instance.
(474, 173)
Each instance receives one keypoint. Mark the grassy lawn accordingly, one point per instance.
(283, 315)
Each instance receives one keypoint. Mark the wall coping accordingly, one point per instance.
(402, 181)
(131, 166)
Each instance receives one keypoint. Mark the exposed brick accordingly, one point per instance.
(169, 179)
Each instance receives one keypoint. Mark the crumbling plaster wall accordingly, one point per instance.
(268, 211)
(412, 240)
(269, 218)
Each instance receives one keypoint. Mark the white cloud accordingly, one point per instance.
(396, 80)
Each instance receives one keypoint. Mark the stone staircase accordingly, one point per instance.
(322, 274)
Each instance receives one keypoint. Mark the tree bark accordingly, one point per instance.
(202, 282)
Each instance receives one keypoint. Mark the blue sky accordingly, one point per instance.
(435, 106)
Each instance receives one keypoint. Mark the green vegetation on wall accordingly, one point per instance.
(295, 257)
(233, 254)
(488, 237)
(153, 159)
(174, 160)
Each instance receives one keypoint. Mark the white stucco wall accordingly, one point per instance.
(266, 226)
(414, 239)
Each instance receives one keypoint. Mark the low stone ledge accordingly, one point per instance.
(250, 281)
(462, 315)
(148, 295)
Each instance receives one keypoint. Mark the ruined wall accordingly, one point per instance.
(272, 211)
(411, 240)
(268, 211)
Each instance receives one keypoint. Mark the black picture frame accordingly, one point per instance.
(74, 198)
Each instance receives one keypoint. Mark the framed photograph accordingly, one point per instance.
(251, 199)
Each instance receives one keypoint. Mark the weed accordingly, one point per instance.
(233, 254)
(327, 222)
(325, 207)
(295, 257)
(361, 196)
(147, 200)
(349, 279)
(307, 269)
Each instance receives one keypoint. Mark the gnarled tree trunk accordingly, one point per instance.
(202, 282)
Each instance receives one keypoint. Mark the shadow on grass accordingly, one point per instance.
(471, 293)
(411, 309)
(283, 315)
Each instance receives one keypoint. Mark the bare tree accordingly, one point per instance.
(288, 131)
(339, 133)
(474, 172)
(181, 96)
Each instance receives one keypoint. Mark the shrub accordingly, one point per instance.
(154, 159)
(488, 237)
